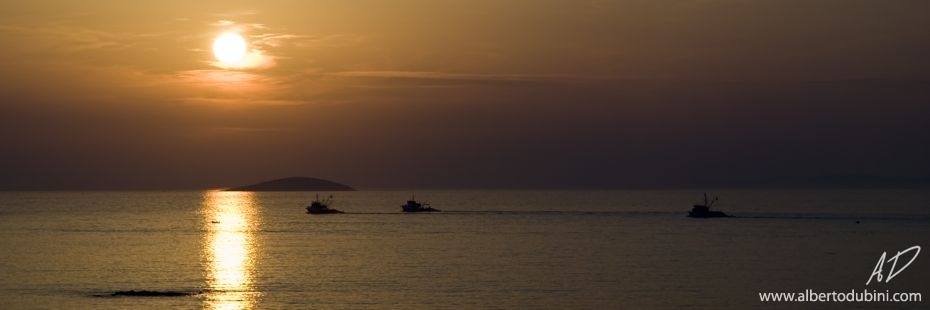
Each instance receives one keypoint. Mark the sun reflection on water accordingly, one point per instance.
(229, 219)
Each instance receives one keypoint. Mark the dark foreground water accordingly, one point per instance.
(489, 249)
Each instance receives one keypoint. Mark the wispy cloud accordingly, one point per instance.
(230, 79)
(274, 39)
(433, 75)
(240, 101)
(222, 23)
(255, 59)
(329, 41)
(237, 14)
(69, 38)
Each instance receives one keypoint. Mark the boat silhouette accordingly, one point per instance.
(413, 205)
(704, 211)
(318, 206)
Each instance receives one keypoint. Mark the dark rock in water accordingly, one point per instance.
(295, 184)
(144, 293)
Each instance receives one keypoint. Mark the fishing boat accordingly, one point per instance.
(413, 205)
(704, 211)
(318, 206)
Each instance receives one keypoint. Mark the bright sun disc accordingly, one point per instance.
(229, 48)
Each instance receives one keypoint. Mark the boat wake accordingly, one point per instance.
(520, 212)
(844, 217)
(747, 216)
(148, 293)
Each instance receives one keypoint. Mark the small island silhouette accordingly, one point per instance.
(293, 184)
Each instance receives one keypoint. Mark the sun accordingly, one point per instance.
(229, 48)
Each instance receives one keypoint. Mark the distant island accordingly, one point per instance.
(293, 184)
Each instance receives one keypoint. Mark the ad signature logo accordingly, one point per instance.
(877, 272)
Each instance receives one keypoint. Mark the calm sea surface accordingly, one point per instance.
(489, 249)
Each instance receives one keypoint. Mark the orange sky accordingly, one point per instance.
(362, 91)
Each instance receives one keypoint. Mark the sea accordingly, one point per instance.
(498, 249)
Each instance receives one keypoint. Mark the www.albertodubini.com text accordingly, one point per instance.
(853, 296)
(865, 295)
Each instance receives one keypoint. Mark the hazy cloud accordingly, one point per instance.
(222, 23)
(59, 38)
(432, 75)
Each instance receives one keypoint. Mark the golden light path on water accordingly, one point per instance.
(230, 220)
